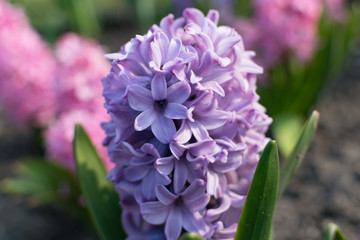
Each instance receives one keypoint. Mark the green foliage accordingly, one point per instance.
(256, 217)
(243, 8)
(100, 196)
(333, 233)
(190, 236)
(44, 182)
(148, 13)
(62, 15)
(82, 16)
(286, 129)
(298, 154)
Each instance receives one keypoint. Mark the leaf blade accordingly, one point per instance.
(99, 194)
(256, 217)
(298, 154)
(333, 232)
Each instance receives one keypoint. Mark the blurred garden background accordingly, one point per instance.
(326, 187)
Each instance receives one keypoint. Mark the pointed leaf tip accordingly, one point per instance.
(333, 232)
(292, 163)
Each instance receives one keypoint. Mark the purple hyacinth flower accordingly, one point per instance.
(178, 211)
(186, 128)
(159, 106)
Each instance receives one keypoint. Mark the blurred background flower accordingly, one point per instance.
(27, 70)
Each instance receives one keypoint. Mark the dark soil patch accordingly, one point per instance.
(326, 187)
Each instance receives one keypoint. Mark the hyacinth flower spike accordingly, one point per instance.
(186, 128)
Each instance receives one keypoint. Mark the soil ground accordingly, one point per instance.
(325, 189)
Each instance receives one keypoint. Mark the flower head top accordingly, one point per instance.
(186, 127)
(27, 70)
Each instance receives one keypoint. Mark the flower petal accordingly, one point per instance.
(194, 222)
(204, 147)
(195, 189)
(175, 111)
(199, 131)
(148, 185)
(197, 204)
(194, 16)
(159, 87)
(213, 213)
(180, 175)
(212, 182)
(179, 92)
(227, 43)
(139, 98)
(164, 195)
(165, 165)
(138, 161)
(214, 86)
(174, 49)
(134, 173)
(214, 120)
(162, 41)
(144, 119)
(177, 149)
(214, 16)
(173, 224)
(154, 212)
(156, 55)
(163, 129)
(184, 134)
(150, 149)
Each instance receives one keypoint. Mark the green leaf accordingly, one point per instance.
(298, 154)
(145, 13)
(82, 16)
(190, 236)
(43, 182)
(286, 129)
(333, 233)
(257, 214)
(100, 196)
(243, 8)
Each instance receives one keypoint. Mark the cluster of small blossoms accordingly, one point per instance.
(59, 136)
(336, 9)
(27, 69)
(80, 66)
(282, 26)
(51, 91)
(186, 128)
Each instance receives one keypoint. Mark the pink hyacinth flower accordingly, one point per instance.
(27, 70)
(81, 65)
(59, 136)
(336, 9)
(280, 27)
